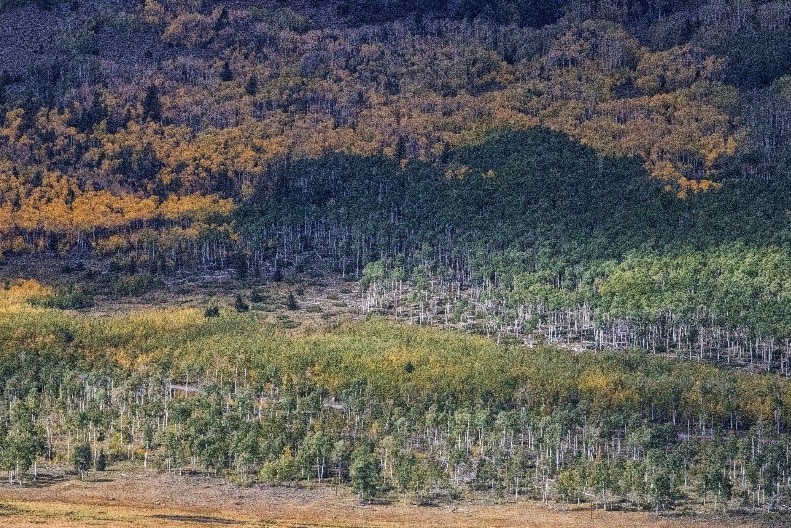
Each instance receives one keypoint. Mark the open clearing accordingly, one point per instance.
(148, 499)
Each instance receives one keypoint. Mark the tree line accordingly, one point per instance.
(530, 236)
(410, 413)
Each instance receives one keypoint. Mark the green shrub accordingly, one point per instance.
(239, 304)
(291, 302)
(69, 296)
(137, 284)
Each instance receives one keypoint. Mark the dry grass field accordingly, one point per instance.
(143, 499)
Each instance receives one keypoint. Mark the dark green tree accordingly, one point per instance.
(365, 472)
(101, 461)
(659, 477)
(222, 19)
(239, 304)
(251, 88)
(226, 74)
(291, 302)
(82, 459)
(152, 107)
(24, 440)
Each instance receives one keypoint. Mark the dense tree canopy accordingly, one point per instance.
(601, 175)
(413, 412)
(225, 98)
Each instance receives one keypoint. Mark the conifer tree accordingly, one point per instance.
(152, 108)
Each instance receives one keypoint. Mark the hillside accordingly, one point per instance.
(150, 139)
(241, 218)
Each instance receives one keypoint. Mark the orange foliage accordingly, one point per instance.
(196, 207)
(676, 125)
(409, 96)
(191, 30)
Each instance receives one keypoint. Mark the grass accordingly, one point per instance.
(185, 502)
(68, 515)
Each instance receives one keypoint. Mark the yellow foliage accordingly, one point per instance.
(458, 173)
(6, 220)
(595, 83)
(137, 209)
(28, 217)
(675, 68)
(18, 244)
(23, 289)
(56, 217)
(111, 244)
(606, 390)
(195, 207)
(13, 122)
(153, 12)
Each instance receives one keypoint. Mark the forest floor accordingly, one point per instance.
(150, 499)
(323, 302)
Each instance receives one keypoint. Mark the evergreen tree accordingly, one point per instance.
(239, 304)
(82, 458)
(222, 19)
(152, 107)
(101, 461)
(291, 302)
(226, 74)
(251, 88)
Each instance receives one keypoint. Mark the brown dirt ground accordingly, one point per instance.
(148, 499)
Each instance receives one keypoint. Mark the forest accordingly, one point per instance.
(568, 223)
(422, 415)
